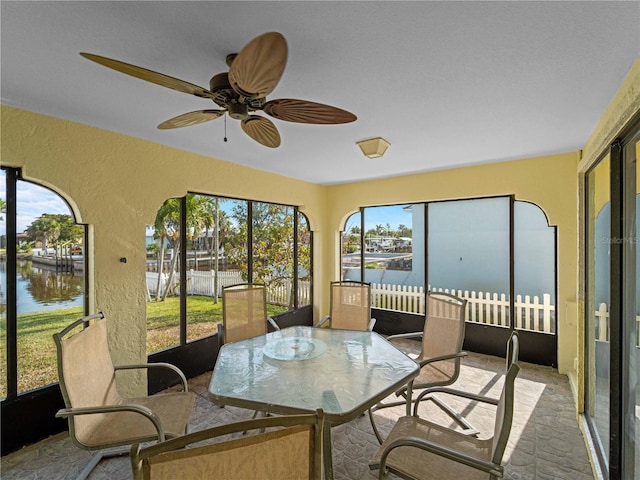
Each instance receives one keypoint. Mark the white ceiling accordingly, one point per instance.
(447, 83)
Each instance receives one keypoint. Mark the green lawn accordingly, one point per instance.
(37, 353)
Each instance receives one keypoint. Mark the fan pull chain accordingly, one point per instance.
(225, 128)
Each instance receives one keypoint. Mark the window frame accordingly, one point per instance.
(182, 264)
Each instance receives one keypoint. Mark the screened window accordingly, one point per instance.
(47, 277)
(227, 241)
(463, 247)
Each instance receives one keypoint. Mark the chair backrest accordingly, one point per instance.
(86, 372)
(244, 311)
(444, 329)
(292, 452)
(350, 305)
(504, 412)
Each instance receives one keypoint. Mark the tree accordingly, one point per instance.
(272, 230)
(55, 228)
(167, 229)
(404, 231)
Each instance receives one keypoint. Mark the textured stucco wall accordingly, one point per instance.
(115, 184)
(550, 182)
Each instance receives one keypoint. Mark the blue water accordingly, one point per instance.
(63, 290)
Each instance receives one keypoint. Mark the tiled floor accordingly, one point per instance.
(545, 442)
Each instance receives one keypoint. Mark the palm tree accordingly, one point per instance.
(194, 229)
(167, 226)
(45, 228)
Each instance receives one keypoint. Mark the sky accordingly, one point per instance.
(32, 201)
(394, 215)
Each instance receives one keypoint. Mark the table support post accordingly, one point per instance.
(326, 451)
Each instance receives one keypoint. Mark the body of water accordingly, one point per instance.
(42, 288)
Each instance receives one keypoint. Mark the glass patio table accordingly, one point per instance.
(301, 369)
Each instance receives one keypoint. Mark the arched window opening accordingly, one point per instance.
(498, 253)
(202, 243)
(43, 267)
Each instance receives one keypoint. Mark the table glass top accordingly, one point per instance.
(304, 368)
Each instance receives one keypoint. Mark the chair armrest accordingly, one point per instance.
(156, 365)
(442, 358)
(372, 323)
(273, 323)
(140, 409)
(441, 450)
(405, 335)
(452, 391)
(325, 319)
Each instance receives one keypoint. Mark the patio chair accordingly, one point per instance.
(99, 418)
(292, 452)
(422, 450)
(350, 307)
(439, 357)
(244, 313)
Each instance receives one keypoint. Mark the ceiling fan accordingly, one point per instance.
(253, 74)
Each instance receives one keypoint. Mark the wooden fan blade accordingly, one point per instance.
(262, 130)
(191, 118)
(256, 70)
(150, 76)
(303, 111)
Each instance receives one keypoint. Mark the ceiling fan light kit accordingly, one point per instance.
(373, 147)
(242, 91)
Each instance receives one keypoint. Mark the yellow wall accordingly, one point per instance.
(115, 184)
(550, 182)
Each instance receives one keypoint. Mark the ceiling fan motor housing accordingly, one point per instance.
(221, 89)
(227, 97)
(239, 111)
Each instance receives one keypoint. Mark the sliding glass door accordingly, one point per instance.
(612, 310)
(598, 304)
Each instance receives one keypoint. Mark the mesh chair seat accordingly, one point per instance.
(99, 417)
(419, 449)
(244, 313)
(289, 453)
(350, 307)
(440, 354)
(413, 462)
(124, 428)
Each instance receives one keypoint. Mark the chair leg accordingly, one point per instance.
(374, 426)
(98, 456)
(255, 415)
(469, 429)
(90, 466)
(381, 405)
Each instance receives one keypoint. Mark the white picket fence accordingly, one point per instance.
(602, 325)
(280, 294)
(202, 283)
(482, 307)
(198, 282)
